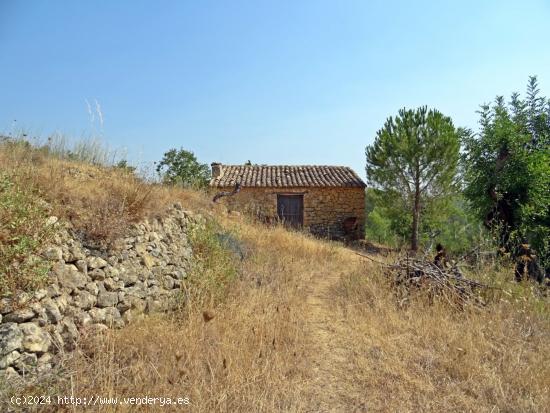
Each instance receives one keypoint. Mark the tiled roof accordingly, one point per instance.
(285, 176)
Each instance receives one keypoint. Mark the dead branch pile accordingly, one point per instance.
(446, 282)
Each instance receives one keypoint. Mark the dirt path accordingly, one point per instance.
(332, 388)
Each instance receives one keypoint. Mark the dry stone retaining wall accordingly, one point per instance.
(90, 290)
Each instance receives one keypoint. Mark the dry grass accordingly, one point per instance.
(432, 358)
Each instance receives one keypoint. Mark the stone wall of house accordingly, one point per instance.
(90, 290)
(325, 209)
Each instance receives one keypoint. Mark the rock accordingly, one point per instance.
(85, 300)
(127, 302)
(113, 317)
(109, 316)
(112, 285)
(8, 359)
(44, 363)
(107, 299)
(144, 274)
(10, 374)
(92, 288)
(123, 306)
(45, 358)
(52, 311)
(54, 254)
(41, 318)
(154, 237)
(118, 245)
(136, 291)
(53, 290)
(132, 315)
(168, 283)
(96, 263)
(71, 311)
(187, 253)
(63, 302)
(124, 256)
(11, 338)
(178, 274)
(69, 277)
(135, 304)
(112, 260)
(153, 306)
(97, 315)
(23, 298)
(83, 318)
(51, 221)
(112, 272)
(40, 294)
(95, 329)
(128, 278)
(19, 316)
(27, 362)
(75, 254)
(35, 340)
(147, 260)
(82, 266)
(69, 333)
(6, 306)
(151, 282)
(97, 274)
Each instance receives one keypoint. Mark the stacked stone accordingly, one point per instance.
(325, 209)
(91, 290)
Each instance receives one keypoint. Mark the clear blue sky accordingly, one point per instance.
(282, 82)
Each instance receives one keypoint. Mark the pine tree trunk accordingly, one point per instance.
(416, 217)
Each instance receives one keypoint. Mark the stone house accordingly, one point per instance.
(329, 201)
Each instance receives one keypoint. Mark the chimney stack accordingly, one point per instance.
(217, 169)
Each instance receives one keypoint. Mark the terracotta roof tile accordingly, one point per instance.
(279, 176)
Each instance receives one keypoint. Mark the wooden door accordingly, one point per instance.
(290, 209)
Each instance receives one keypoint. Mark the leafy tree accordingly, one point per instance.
(413, 161)
(507, 170)
(180, 167)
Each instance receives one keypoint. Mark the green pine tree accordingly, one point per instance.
(413, 162)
